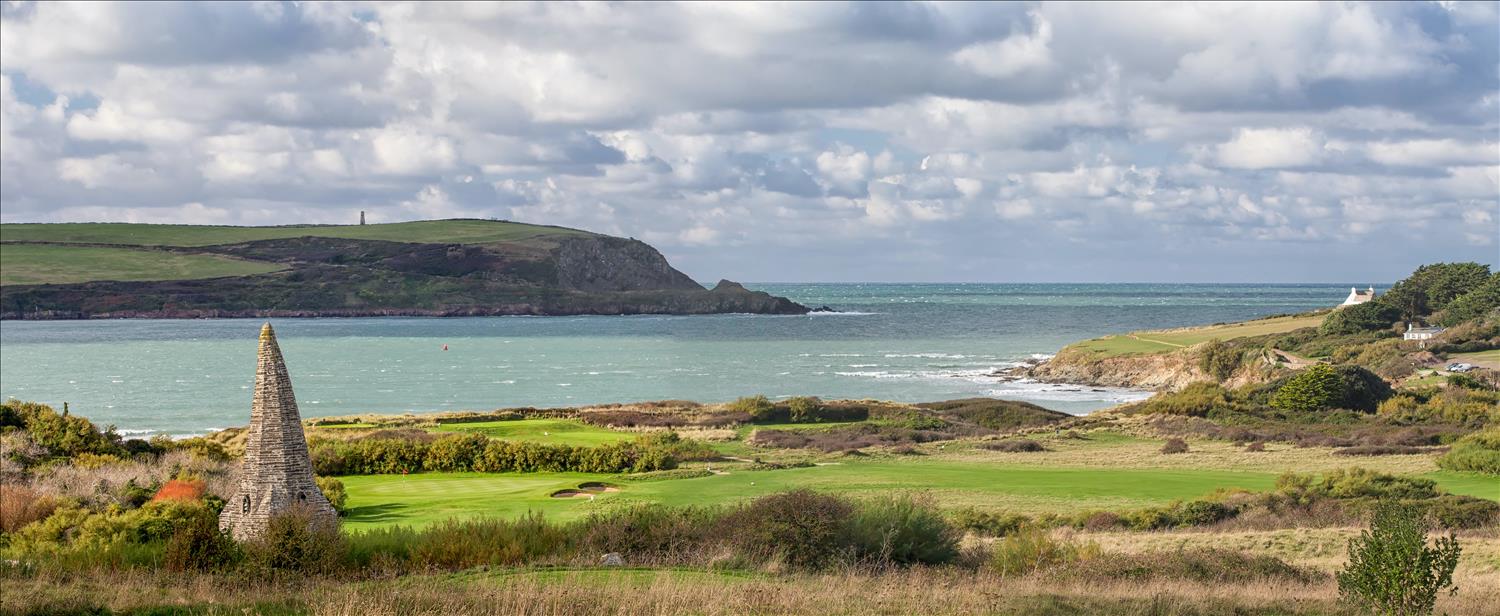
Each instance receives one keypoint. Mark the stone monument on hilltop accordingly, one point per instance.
(276, 472)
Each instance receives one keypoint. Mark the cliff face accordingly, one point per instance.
(616, 264)
(355, 277)
(1161, 371)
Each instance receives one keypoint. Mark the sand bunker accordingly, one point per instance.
(570, 493)
(586, 489)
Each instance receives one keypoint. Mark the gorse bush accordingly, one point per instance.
(758, 408)
(1391, 568)
(296, 542)
(61, 434)
(1033, 549)
(802, 529)
(1478, 452)
(197, 544)
(903, 530)
(1219, 359)
(989, 523)
(1195, 400)
(334, 491)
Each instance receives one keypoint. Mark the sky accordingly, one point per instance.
(1330, 142)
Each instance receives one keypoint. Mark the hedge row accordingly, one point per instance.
(475, 452)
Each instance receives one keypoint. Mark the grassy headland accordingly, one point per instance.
(425, 268)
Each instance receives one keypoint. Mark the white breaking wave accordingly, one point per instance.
(841, 314)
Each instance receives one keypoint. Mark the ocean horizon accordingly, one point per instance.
(907, 342)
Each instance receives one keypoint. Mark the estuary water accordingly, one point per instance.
(905, 342)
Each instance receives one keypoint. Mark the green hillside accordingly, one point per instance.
(466, 231)
(53, 264)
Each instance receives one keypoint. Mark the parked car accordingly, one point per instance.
(1460, 367)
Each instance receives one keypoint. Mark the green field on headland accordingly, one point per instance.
(425, 231)
(1148, 342)
(53, 264)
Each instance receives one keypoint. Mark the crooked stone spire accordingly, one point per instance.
(276, 472)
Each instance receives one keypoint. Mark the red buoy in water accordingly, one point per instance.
(445, 347)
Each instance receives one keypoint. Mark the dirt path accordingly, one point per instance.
(1295, 362)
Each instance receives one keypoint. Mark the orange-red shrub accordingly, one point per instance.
(181, 490)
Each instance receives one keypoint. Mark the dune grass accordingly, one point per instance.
(447, 231)
(52, 264)
(549, 431)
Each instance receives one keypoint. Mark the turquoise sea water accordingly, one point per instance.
(907, 342)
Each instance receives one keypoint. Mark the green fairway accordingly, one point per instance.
(1488, 359)
(1469, 484)
(1147, 342)
(429, 497)
(438, 231)
(51, 264)
(550, 431)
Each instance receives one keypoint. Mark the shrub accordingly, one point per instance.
(20, 505)
(1014, 445)
(197, 544)
(460, 544)
(1391, 568)
(1103, 520)
(1033, 549)
(648, 531)
(62, 434)
(181, 490)
(1315, 388)
(456, 452)
(296, 541)
(1359, 482)
(903, 530)
(987, 522)
(1255, 446)
(334, 491)
(803, 409)
(1195, 400)
(758, 408)
(1460, 512)
(1478, 452)
(1174, 445)
(996, 414)
(803, 529)
(1208, 565)
(1218, 359)
(1203, 513)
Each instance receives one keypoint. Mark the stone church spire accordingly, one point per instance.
(276, 472)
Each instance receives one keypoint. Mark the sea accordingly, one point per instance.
(902, 342)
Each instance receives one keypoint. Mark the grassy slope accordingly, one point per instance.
(48, 264)
(434, 231)
(550, 431)
(1145, 342)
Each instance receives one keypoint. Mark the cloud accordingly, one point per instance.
(1272, 148)
(1206, 141)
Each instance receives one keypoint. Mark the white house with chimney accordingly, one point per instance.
(1357, 296)
(1421, 333)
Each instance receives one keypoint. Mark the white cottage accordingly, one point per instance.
(1357, 296)
(1422, 334)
